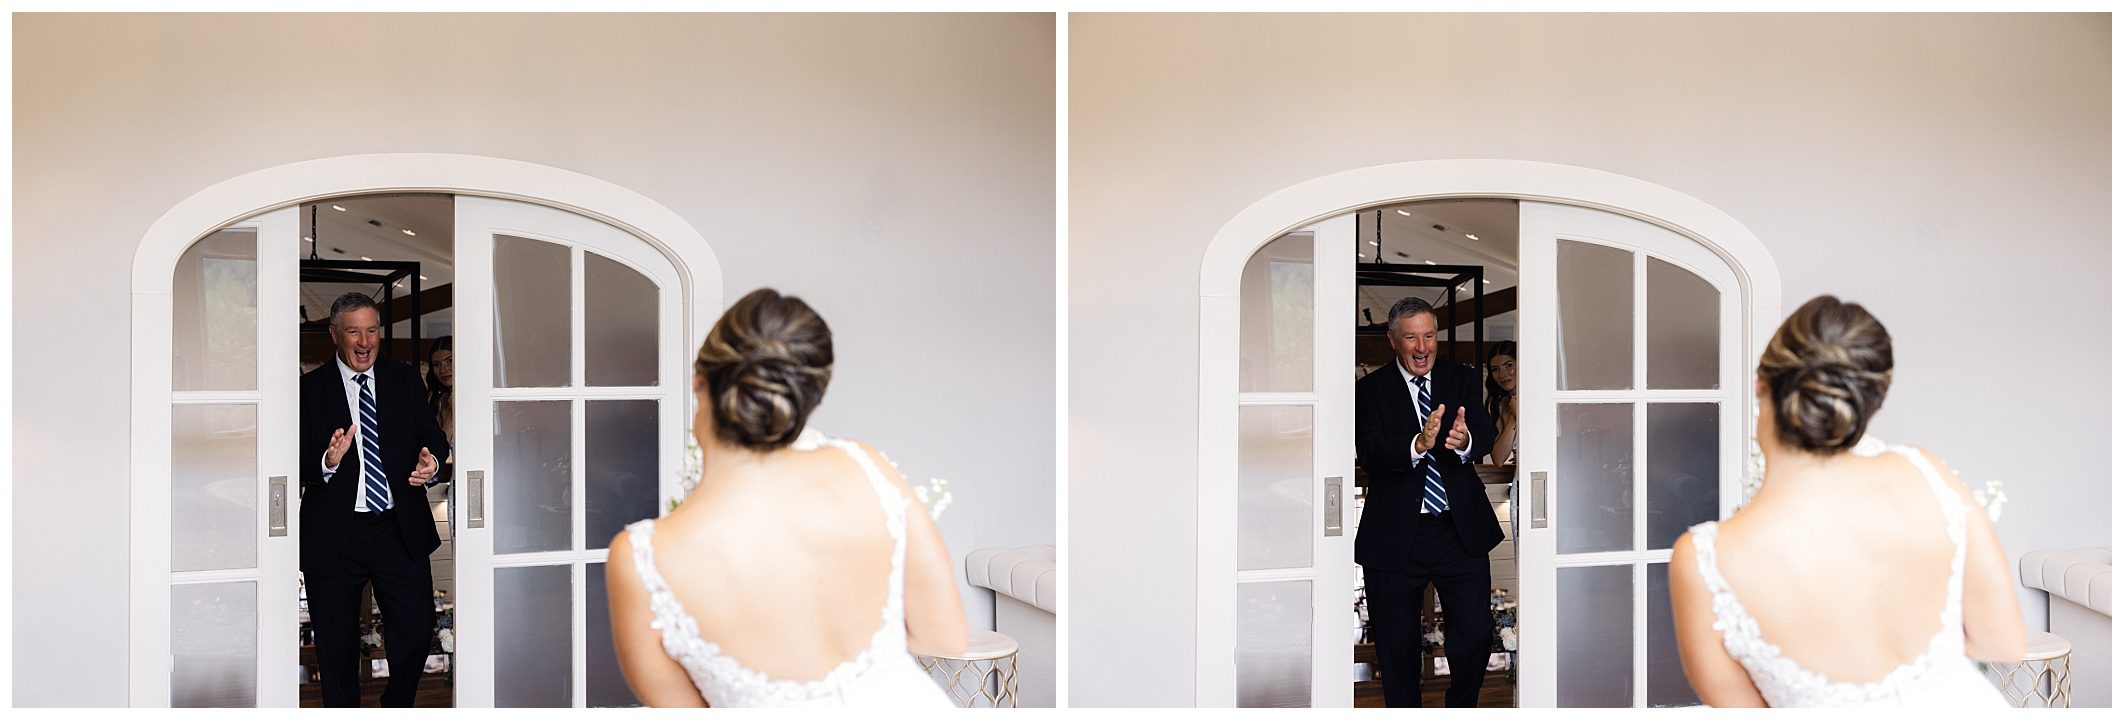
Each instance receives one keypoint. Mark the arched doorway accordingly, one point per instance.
(1315, 206)
(599, 229)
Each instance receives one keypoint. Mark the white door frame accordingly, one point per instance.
(154, 264)
(1216, 562)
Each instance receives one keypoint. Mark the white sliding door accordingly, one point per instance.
(572, 380)
(1292, 561)
(215, 558)
(1633, 379)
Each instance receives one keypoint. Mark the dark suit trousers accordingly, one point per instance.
(1394, 596)
(376, 555)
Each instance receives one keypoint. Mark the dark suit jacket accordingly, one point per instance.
(405, 426)
(1386, 425)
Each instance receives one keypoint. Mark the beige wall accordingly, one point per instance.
(895, 171)
(1949, 172)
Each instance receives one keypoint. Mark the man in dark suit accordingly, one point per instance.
(1420, 428)
(369, 448)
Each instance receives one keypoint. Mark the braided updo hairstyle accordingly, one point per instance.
(766, 363)
(1828, 369)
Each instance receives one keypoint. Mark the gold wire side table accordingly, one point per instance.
(2043, 677)
(986, 675)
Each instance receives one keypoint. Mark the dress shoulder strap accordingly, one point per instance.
(1951, 504)
(1742, 636)
(895, 503)
(1957, 516)
(639, 534)
(894, 631)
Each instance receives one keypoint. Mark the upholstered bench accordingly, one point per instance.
(1024, 582)
(2078, 583)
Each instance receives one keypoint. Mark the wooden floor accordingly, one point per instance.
(434, 692)
(1496, 692)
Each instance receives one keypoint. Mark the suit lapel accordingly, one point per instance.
(1403, 400)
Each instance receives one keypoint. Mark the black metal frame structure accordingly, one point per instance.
(1427, 276)
(364, 272)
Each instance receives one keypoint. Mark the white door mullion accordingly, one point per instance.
(580, 634)
(216, 397)
(1640, 613)
(1259, 399)
(204, 577)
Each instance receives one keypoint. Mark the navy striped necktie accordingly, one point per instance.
(1434, 497)
(374, 488)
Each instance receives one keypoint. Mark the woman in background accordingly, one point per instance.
(442, 399)
(792, 574)
(1502, 381)
(1857, 575)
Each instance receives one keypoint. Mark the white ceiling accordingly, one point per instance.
(1409, 234)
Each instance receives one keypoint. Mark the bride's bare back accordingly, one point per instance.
(785, 564)
(1845, 567)
(1848, 574)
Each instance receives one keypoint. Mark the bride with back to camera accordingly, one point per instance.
(1858, 575)
(794, 573)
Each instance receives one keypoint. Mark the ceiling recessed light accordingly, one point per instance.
(1360, 254)
(1471, 236)
(307, 238)
(408, 232)
(1426, 262)
(365, 257)
(1485, 282)
(424, 277)
(1404, 213)
(341, 209)
(1375, 243)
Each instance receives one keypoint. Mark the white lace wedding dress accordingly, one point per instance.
(1941, 675)
(883, 674)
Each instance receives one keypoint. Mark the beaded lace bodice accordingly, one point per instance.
(725, 682)
(1784, 683)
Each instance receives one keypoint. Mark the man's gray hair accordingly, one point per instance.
(1409, 307)
(357, 301)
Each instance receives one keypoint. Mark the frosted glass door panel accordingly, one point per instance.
(214, 645)
(1593, 480)
(1681, 469)
(619, 324)
(1595, 317)
(531, 486)
(604, 686)
(1665, 685)
(215, 335)
(532, 320)
(1276, 317)
(534, 621)
(213, 487)
(1596, 634)
(1275, 487)
(1681, 328)
(621, 466)
(1276, 644)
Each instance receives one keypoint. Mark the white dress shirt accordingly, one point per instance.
(353, 391)
(1416, 401)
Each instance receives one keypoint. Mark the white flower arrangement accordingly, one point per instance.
(1509, 638)
(936, 495)
(1992, 498)
(447, 639)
